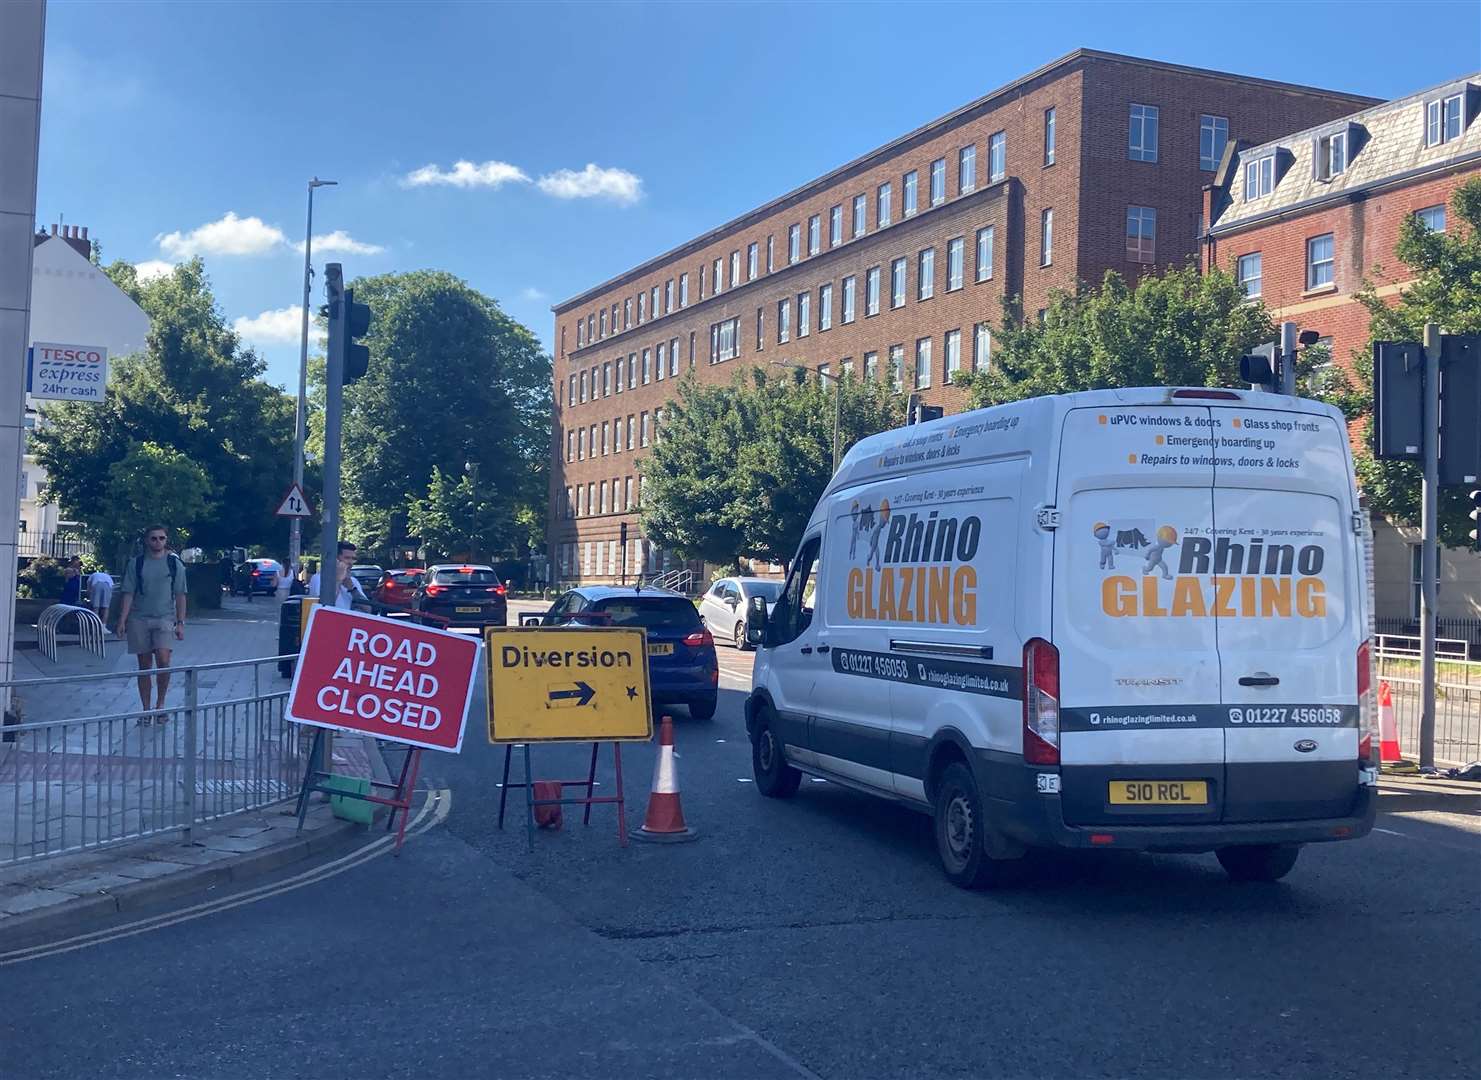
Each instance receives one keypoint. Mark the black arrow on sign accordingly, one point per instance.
(580, 695)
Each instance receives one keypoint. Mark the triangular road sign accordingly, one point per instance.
(294, 504)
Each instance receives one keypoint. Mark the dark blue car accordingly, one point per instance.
(682, 668)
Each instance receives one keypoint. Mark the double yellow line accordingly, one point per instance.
(434, 812)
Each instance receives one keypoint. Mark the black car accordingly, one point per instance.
(462, 594)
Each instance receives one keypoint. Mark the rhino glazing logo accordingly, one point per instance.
(917, 568)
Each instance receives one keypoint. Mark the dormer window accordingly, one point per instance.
(1444, 119)
(1332, 155)
(1259, 177)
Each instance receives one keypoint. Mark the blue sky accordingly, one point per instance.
(161, 119)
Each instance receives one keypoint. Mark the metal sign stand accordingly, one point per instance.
(588, 801)
(404, 787)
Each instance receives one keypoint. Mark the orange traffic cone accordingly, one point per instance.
(1388, 730)
(664, 822)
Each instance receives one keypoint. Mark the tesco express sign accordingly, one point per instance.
(68, 372)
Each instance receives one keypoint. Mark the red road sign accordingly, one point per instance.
(385, 678)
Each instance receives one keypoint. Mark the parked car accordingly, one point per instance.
(257, 576)
(397, 587)
(723, 608)
(463, 594)
(682, 666)
(367, 575)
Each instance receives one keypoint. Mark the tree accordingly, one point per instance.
(195, 391)
(739, 468)
(154, 483)
(1179, 328)
(453, 381)
(461, 516)
(1444, 269)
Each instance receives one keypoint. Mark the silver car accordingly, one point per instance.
(723, 608)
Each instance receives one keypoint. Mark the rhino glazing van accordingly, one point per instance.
(1117, 619)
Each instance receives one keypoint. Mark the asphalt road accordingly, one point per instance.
(814, 937)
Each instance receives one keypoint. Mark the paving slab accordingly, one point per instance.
(93, 883)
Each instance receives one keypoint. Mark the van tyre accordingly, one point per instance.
(774, 777)
(1258, 862)
(962, 833)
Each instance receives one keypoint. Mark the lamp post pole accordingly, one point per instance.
(300, 427)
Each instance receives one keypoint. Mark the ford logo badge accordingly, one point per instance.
(1305, 746)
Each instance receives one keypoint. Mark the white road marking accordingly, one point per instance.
(1389, 832)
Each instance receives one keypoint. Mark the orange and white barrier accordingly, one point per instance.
(664, 822)
(1388, 728)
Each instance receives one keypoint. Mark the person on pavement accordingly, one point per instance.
(72, 582)
(228, 570)
(151, 609)
(100, 594)
(349, 588)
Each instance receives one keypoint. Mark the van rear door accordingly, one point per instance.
(1291, 615)
(1141, 733)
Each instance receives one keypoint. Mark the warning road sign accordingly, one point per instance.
(553, 684)
(294, 504)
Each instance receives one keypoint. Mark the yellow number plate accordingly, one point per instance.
(1159, 793)
(660, 650)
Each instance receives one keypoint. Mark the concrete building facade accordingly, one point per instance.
(896, 265)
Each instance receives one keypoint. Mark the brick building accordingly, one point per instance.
(893, 265)
(1304, 220)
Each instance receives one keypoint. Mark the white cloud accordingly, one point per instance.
(339, 240)
(533, 294)
(465, 174)
(231, 235)
(150, 269)
(593, 182)
(282, 326)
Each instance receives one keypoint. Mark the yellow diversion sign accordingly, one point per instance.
(553, 684)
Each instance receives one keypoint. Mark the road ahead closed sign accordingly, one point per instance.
(552, 684)
(384, 678)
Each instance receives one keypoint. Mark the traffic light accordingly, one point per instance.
(357, 324)
(918, 412)
(1258, 368)
(1475, 515)
(622, 533)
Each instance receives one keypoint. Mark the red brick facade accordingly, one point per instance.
(1089, 186)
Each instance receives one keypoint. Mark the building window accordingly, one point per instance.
(897, 283)
(580, 335)
(871, 291)
(770, 252)
(912, 185)
(627, 493)
(1442, 120)
(953, 353)
(607, 379)
(1331, 155)
(717, 277)
(643, 429)
(653, 302)
(570, 445)
(814, 234)
(674, 354)
(966, 169)
(583, 388)
(804, 314)
(604, 438)
(938, 181)
(897, 368)
(591, 441)
(751, 254)
(581, 444)
(849, 289)
(1141, 234)
(997, 157)
(668, 296)
(602, 323)
(683, 290)
(882, 206)
(1319, 261)
(642, 307)
(1248, 271)
(701, 282)
(1046, 237)
(735, 268)
(871, 366)
(627, 313)
(1049, 136)
(659, 364)
(926, 274)
(860, 202)
(647, 367)
(1213, 135)
(631, 424)
(1143, 139)
(760, 329)
(1433, 217)
(824, 372)
(571, 393)
(956, 255)
(981, 346)
(724, 341)
(835, 226)
(984, 253)
(632, 370)
(794, 244)
(825, 306)
(783, 321)
(922, 363)
(1259, 177)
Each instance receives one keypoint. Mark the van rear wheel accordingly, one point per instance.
(1258, 862)
(774, 777)
(962, 833)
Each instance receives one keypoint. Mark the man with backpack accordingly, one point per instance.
(151, 608)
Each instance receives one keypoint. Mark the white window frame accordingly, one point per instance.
(1141, 234)
(683, 290)
(647, 366)
(871, 290)
(770, 253)
(783, 321)
(752, 252)
(1438, 118)
(1250, 259)
(1259, 177)
(956, 258)
(1314, 265)
(725, 340)
(1426, 214)
(937, 176)
(1050, 120)
(985, 252)
(953, 350)
(850, 298)
(1046, 236)
(835, 225)
(884, 195)
(966, 169)
(898, 283)
(659, 372)
(1213, 136)
(1142, 132)
(735, 268)
(897, 367)
(981, 347)
(814, 234)
(871, 366)
(910, 193)
(804, 314)
(923, 363)
(825, 306)
(997, 156)
(794, 243)
(861, 215)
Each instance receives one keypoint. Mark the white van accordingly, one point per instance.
(1121, 618)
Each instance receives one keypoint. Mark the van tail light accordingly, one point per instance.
(1367, 714)
(1040, 702)
(699, 639)
(436, 590)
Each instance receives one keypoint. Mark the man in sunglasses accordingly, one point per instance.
(151, 611)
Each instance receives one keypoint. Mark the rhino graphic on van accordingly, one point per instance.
(1141, 538)
(866, 520)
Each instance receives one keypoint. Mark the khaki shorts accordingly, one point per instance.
(147, 635)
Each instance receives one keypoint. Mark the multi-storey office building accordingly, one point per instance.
(894, 265)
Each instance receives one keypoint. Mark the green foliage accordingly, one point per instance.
(1445, 269)
(154, 483)
(42, 578)
(739, 468)
(452, 381)
(196, 393)
(1179, 328)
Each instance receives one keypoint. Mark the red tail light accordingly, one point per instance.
(435, 590)
(699, 638)
(1365, 703)
(1040, 702)
(256, 573)
(497, 589)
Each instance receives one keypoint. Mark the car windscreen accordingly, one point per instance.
(769, 590)
(650, 612)
(465, 577)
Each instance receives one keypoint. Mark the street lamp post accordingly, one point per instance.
(837, 397)
(295, 529)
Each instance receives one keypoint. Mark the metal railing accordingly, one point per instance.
(83, 783)
(90, 631)
(55, 545)
(1457, 703)
(680, 580)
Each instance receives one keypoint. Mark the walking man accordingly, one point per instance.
(151, 609)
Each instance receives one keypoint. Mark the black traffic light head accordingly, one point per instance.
(622, 533)
(357, 324)
(1257, 371)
